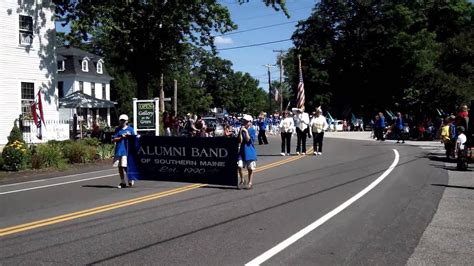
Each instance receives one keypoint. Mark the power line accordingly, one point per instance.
(252, 45)
(273, 14)
(258, 28)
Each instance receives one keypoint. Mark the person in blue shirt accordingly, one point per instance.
(247, 152)
(399, 125)
(262, 124)
(380, 127)
(122, 132)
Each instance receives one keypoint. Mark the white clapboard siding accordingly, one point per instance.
(35, 63)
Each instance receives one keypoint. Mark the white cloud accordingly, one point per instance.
(219, 40)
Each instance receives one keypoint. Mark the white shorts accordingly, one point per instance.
(250, 165)
(120, 161)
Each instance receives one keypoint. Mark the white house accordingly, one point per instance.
(82, 71)
(27, 64)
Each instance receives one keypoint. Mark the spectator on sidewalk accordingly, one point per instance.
(122, 132)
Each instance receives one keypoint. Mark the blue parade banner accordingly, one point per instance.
(192, 160)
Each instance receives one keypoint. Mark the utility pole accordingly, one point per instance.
(175, 98)
(162, 95)
(268, 66)
(281, 76)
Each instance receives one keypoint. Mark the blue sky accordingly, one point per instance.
(253, 15)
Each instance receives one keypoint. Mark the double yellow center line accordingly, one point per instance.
(120, 204)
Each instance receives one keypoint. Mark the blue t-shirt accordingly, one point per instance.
(121, 145)
(399, 123)
(247, 149)
(262, 125)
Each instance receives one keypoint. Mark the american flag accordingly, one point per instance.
(300, 96)
(38, 116)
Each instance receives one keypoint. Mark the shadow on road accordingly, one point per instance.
(449, 186)
(99, 186)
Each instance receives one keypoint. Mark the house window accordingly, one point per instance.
(85, 65)
(93, 89)
(81, 86)
(26, 30)
(61, 66)
(104, 91)
(27, 98)
(60, 89)
(99, 67)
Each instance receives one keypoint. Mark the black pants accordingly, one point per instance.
(286, 142)
(400, 135)
(301, 140)
(318, 141)
(262, 138)
(379, 133)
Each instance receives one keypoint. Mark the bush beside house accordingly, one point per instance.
(16, 155)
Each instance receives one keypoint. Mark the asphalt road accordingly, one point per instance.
(225, 226)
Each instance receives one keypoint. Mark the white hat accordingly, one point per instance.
(247, 118)
(123, 117)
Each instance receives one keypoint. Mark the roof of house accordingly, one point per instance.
(73, 58)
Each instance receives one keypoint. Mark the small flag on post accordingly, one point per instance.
(300, 98)
(38, 116)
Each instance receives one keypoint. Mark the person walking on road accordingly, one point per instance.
(286, 126)
(380, 127)
(122, 132)
(317, 127)
(302, 130)
(247, 152)
(399, 125)
(262, 124)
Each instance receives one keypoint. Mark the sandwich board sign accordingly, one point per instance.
(146, 115)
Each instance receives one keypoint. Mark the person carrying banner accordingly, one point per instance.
(247, 152)
(121, 147)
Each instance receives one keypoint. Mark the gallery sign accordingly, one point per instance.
(193, 160)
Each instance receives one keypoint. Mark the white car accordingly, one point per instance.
(336, 125)
(212, 122)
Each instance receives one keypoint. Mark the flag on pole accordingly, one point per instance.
(38, 116)
(275, 93)
(300, 100)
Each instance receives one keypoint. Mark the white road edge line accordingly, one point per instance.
(292, 239)
(53, 185)
(54, 178)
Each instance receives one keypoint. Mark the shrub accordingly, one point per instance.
(15, 134)
(75, 152)
(90, 142)
(47, 155)
(2, 162)
(15, 155)
(105, 151)
(91, 154)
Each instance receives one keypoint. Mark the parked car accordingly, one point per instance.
(214, 125)
(336, 125)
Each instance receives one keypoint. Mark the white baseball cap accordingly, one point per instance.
(247, 118)
(123, 117)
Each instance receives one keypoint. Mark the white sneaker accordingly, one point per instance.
(297, 153)
(131, 183)
(320, 153)
(282, 154)
(315, 153)
(287, 154)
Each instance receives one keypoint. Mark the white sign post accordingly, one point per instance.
(146, 115)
